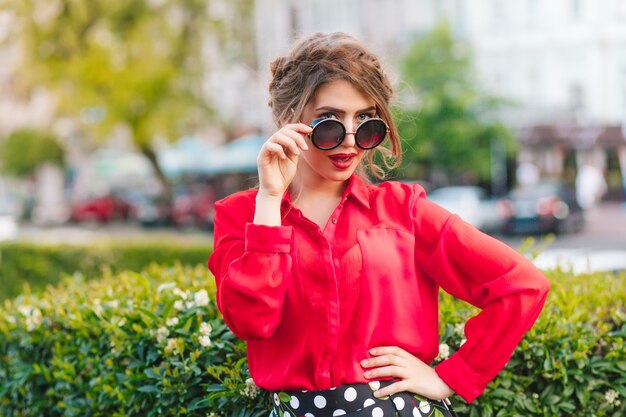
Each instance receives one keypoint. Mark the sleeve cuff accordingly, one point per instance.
(461, 378)
(262, 238)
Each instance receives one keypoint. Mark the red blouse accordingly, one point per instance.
(310, 303)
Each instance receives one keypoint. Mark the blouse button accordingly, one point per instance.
(334, 220)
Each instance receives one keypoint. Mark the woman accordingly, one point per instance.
(333, 281)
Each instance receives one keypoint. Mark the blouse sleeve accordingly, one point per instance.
(251, 264)
(474, 267)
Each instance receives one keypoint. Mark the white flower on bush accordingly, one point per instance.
(459, 329)
(180, 293)
(179, 305)
(97, 307)
(444, 352)
(251, 390)
(205, 332)
(121, 322)
(33, 317)
(10, 319)
(205, 341)
(165, 286)
(201, 298)
(205, 329)
(189, 304)
(173, 321)
(611, 397)
(462, 342)
(162, 334)
(172, 347)
(114, 304)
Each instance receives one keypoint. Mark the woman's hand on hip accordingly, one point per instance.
(278, 158)
(415, 376)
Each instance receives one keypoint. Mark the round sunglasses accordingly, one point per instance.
(329, 133)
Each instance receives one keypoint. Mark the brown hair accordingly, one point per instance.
(322, 58)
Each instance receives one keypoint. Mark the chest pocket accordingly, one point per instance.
(388, 262)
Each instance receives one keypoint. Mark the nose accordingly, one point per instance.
(350, 140)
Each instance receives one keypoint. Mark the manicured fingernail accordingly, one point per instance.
(376, 394)
(367, 374)
(373, 351)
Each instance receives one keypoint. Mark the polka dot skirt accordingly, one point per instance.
(356, 400)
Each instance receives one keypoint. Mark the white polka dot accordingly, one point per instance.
(276, 399)
(368, 402)
(319, 401)
(424, 407)
(416, 412)
(339, 412)
(374, 385)
(295, 403)
(287, 414)
(350, 394)
(399, 402)
(309, 415)
(378, 412)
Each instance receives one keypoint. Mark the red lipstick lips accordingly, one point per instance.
(342, 160)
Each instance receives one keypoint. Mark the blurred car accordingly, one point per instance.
(102, 208)
(153, 211)
(547, 207)
(471, 203)
(194, 207)
(191, 206)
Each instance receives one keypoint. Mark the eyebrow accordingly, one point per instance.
(334, 110)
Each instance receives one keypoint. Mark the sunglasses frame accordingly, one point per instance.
(345, 132)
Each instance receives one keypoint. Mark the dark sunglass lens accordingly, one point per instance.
(328, 134)
(371, 133)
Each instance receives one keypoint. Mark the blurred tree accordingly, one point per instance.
(137, 64)
(445, 122)
(26, 150)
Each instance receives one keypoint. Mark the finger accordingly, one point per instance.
(394, 388)
(384, 371)
(286, 141)
(390, 350)
(299, 127)
(381, 361)
(298, 138)
(275, 149)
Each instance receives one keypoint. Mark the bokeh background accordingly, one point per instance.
(129, 118)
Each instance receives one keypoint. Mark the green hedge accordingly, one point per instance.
(31, 267)
(153, 344)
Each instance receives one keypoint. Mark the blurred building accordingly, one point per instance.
(563, 62)
(17, 108)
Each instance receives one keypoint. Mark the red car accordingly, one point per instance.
(193, 208)
(101, 209)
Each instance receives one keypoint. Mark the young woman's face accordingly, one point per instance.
(338, 100)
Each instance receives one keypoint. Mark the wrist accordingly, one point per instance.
(267, 210)
(441, 388)
(269, 196)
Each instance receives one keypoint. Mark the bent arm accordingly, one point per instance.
(252, 267)
(486, 273)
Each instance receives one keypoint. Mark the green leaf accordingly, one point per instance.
(149, 389)
(284, 397)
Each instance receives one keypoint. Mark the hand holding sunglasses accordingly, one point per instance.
(329, 133)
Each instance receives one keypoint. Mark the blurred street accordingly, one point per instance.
(600, 246)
